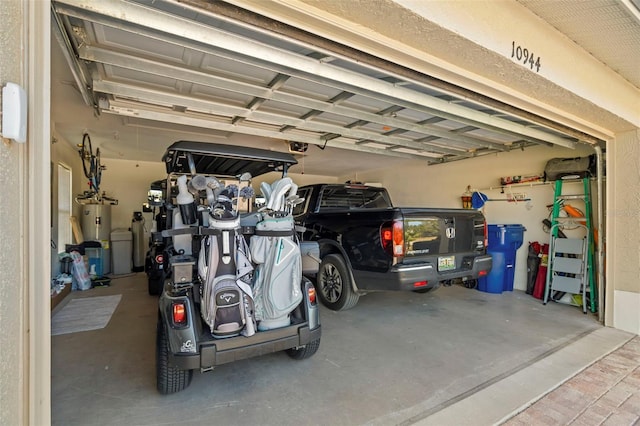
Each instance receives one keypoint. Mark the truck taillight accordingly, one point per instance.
(486, 235)
(392, 238)
(179, 312)
(398, 239)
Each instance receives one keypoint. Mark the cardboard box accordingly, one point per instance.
(57, 298)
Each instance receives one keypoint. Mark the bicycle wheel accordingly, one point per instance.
(86, 154)
(96, 170)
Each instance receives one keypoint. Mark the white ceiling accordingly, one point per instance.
(159, 71)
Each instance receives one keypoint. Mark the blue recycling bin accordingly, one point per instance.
(504, 241)
(95, 261)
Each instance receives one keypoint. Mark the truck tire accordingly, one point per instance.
(170, 379)
(305, 351)
(155, 284)
(334, 284)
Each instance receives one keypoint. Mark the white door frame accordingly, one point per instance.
(37, 206)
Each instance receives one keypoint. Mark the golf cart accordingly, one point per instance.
(233, 286)
(154, 260)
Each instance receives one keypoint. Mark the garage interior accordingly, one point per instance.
(137, 76)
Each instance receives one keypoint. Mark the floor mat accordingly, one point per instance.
(84, 314)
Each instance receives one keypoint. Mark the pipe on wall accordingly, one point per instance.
(600, 247)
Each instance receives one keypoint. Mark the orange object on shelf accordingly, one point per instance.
(574, 212)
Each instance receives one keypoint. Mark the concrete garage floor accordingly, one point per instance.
(396, 358)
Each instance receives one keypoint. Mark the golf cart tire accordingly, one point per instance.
(305, 351)
(155, 285)
(170, 379)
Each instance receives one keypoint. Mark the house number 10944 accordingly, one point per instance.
(522, 54)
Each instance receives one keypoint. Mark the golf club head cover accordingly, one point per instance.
(247, 193)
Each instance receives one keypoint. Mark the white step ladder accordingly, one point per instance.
(568, 269)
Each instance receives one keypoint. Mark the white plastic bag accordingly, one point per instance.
(81, 280)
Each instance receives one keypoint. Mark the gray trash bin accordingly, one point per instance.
(121, 250)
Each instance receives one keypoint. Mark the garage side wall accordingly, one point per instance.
(298, 179)
(128, 182)
(420, 185)
(13, 280)
(62, 152)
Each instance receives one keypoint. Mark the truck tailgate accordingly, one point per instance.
(442, 232)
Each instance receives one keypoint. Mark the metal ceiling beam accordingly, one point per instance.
(183, 73)
(273, 85)
(482, 153)
(79, 75)
(111, 12)
(205, 122)
(434, 132)
(463, 152)
(170, 100)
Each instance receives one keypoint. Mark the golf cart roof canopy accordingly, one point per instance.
(187, 157)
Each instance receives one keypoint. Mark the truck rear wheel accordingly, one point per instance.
(170, 379)
(334, 284)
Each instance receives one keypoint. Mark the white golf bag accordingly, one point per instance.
(275, 251)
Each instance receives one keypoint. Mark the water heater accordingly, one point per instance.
(96, 226)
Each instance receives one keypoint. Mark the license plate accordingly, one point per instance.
(446, 263)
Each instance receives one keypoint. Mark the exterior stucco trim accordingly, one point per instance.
(37, 254)
(626, 315)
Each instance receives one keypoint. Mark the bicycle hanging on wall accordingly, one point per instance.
(92, 168)
(91, 163)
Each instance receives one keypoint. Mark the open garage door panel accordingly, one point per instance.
(169, 63)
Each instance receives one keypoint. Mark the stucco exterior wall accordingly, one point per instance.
(13, 351)
(623, 256)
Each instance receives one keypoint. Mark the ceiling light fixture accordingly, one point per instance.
(298, 147)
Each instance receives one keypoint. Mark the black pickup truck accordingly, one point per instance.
(366, 244)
